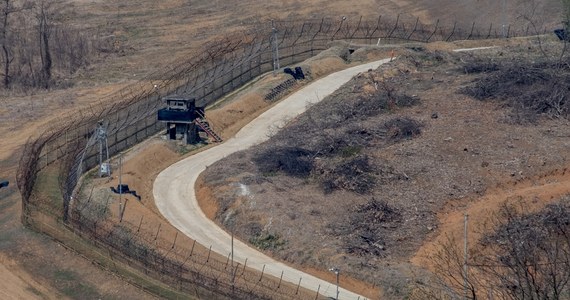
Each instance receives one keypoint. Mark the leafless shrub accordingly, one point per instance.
(293, 161)
(353, 174)
(365, 230)
(402, 128)
(352, 108)
(476, 67)
(419, 57)
(541, 88)
(521, 255)
(529, 254)
(343, 143)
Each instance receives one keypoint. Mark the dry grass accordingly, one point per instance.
(150, 35)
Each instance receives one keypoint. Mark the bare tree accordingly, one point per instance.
(6, 11)
(566, 23)
(566, 14)
(521, 255)
(6, 51)
(452, 279)
(529, 254)
(43, 16)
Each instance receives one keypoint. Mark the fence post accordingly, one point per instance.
(298, 285)
(280, 279)
(262, 270)
(192, 250)
(157, 231)
(413, 30)
(471, 33)
(174, 243)
(140, 223)
(47, 153)
(228, 261)
(452, 32)
(395, 26)
(209, 251)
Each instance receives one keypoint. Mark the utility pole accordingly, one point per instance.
(504, 17)
(101, 135)
(275, 47)
(336, 272)
(465, 256)
(120, 187)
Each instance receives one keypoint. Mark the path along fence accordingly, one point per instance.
(64, 152)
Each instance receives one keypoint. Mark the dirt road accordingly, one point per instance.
(175, 196)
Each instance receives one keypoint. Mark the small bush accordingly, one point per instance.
(293, 161)
(268, 241)
(476, 67)
(420, 58)
(403, 100)
(541, 88)
(253, 229)
(350, 151)
(402, 128)
(364, 233)
(343, 144)
(354, 174)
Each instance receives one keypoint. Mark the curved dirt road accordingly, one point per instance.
(175, 196)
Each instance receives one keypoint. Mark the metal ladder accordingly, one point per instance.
(202, 123)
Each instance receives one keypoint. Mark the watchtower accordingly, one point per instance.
(184, 120)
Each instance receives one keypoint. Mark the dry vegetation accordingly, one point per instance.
(101, 46)
(530, 89)
(520, 254)
(356, 182)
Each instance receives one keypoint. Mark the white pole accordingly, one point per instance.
(504, 17)
(120, 187)
(275, 48)
(465, 258)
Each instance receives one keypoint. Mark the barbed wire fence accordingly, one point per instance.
(52, 163)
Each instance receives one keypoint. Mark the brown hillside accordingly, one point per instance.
(366, 177)
(151, 35)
